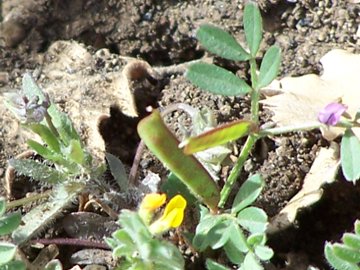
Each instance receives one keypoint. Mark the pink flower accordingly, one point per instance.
(330, 115)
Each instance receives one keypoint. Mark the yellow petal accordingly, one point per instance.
(153, 201)
(177, 201)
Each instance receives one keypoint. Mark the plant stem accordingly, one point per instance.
(250, 141)
(27, 200)
(255, 94)
(287, 129)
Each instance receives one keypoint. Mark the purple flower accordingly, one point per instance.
(330, 115)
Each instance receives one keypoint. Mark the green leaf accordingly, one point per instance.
(256, 239)
(117, 170)
(357, 227)
(7, 252)
(63, 125)
(174, 186)
(211, 265)
(37, 171)
(253, 27)
(216, 80)
(346, 253)
(207, 222)
(219, 135)
(31, 89)
(236, 246)
(263, 252)
(46, 153)
(219, 234)
(46, 135)
(163, 252)
(54, 265)
(351, 240)
(2, 206)
(161, 141)
(253, 219)
(14, 265)
(248, 193)
(75, 152)
(251, 263)
(350, 156)
(221, 43)
(269, 66)
(336, 262)
(9, 223)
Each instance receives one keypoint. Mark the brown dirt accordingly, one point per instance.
(162, 33)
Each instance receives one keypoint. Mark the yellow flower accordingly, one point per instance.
(149, 204)
(172, 216)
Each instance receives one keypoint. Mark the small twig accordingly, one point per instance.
(135, 166)
(72, 242)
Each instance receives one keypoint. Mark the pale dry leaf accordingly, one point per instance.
(323, 171)
(299, 99)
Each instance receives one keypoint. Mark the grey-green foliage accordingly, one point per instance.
(66, 164)
(345, 256)
(241, 233)
(8, 223)
(137, 248)
(350, 156)
(222, 82)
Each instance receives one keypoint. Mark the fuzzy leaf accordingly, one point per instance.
(159, 139)
(211, 265)
(37, 171)
(253, 27)
(269, 66)
(263, 252)
(346, 253)
(350, 156)
(9, 223)
(35, 220)
(216, 80)
(236, 246)
(221, 43)
(46, 135)
(31, 89)
(248, 193)
(351, 240)
(219, 135)
(251, 262)
(7, 252)
(117, 170)
(336, 262)
(253, 219)
(256, 239)
(219, 234)
(75, 152)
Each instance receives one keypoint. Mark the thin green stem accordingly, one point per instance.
(250, 141)
(255, 95)
(287, 129)
(28, 200)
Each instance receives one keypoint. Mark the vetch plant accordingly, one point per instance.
(345, 255)
(138, 245)
(239, 231)
(8, 223)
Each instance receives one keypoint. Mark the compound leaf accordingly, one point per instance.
(269, 66)
(253, 27)
(221, 43)
(216, 80)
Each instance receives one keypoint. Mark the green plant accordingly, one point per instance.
(66, 164)
(239, 231)
(345, 256)
(8, 223)
(137, 244)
